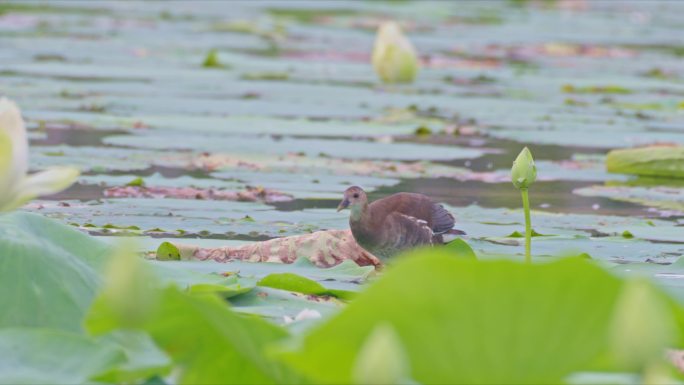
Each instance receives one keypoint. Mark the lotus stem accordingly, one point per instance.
(528, 225)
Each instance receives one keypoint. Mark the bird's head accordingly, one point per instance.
(354, 198)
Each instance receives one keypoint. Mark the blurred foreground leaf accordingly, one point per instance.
(642, 325)
(143, 358)
(382, 359)
(208, 342)
(129, 297)
(48, 272)
(48, 356)
(464, 321)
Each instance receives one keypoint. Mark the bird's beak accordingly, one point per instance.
(343, 205)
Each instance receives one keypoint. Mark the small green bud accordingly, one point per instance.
(523, 172)
(382, 359)
(642, 326)
(128, 297)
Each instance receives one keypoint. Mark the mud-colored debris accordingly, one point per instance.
(250, 194)
(294, 164)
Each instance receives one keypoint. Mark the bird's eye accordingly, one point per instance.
(356, 195)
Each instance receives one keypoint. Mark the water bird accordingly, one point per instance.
(401, 221)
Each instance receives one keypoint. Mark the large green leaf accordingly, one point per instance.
(143, 358)
(48, 273)
(463, 321)
(665, 161)
(49, 356)
(299, 284)
(212, 344)
(46, 356)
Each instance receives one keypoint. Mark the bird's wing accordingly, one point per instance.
(442, 220)
(405, 231)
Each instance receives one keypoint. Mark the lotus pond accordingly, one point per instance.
(212, 124)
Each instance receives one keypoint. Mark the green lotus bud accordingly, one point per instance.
(128, 297)
(394, 57)
(382, 359)
(523, 172)
(642, 325)
(17, 188)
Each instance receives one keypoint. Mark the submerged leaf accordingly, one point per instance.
(518, 234)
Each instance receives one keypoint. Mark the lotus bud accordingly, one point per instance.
(382, 359)
(16, 187)
(128, 298)
(394, 58)
(642, 326)
(523, 172)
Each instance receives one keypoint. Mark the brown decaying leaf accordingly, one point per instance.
(296, 163)
(322, 248)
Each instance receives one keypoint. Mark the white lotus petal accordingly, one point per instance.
(6, 184)
(12, 125)
(45, 182)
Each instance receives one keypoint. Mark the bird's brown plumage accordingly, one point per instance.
(401, 221)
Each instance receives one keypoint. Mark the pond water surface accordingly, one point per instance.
(119, 89)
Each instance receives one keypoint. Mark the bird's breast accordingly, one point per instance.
(363, 236)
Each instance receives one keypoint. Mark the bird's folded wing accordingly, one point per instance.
(408, 231)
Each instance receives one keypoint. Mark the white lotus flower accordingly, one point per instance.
(394, 57)
(16, 187)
